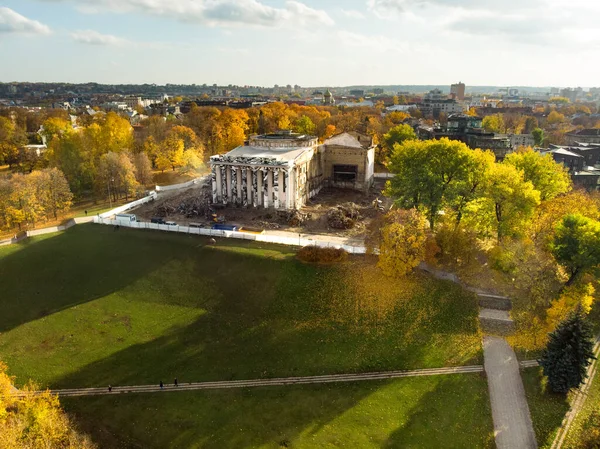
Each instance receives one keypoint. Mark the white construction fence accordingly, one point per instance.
(183, 185)
(279, 237)
(292, 239)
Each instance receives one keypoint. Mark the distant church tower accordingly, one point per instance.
(328, 98)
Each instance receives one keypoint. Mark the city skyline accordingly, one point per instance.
(310, 43)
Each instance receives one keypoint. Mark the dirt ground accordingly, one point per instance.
(193, 206)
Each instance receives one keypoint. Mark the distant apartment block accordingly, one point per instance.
(590, 135)
(457, 91)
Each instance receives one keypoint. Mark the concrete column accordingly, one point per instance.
(281, 192)
(290, 192)
(269, 201)
(228, 183)
(249, 186)
(260, 194)
(239, 190)
(213, 183)
(219, 183)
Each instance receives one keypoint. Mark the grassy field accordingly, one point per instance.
(445, 411)
(92, 306)
(578, 429)
(547, 409)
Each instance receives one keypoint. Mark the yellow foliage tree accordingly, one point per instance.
(578, 295)
(403, 242)
(35, 420)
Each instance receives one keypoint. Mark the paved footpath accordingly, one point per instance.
(513, 428)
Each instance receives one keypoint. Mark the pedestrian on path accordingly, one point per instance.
(176, 383)
(161, 385)
(109, 388)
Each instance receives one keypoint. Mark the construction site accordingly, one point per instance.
(340, 212)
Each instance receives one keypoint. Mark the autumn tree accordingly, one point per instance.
(233, 123)
(427, 172)
(191, 161)
(512, 199)
(304, 125)
(35, 420)
(555, 118)
(53, 192)
(494, 123)
(24, 206)
(530, 124)
(186, 135)
(398, 134)
(116, 175)
(403, 241)
(538, 136)
(576, 245)
(12, 138)
(551, 212)
(548, 177)
(568, 353)
(143, 168)
(471, 184)
(54, 127)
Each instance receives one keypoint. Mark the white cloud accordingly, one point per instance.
(353, 14)
(216, 12)
(377, 43)
(92, 37)
(13, 22)
(556, 23)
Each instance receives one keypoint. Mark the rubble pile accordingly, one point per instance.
(293, 217)
(343, 216)
(194, 204)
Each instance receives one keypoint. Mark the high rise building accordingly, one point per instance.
(457, 91)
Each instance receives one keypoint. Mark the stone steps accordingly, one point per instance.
(496, 322)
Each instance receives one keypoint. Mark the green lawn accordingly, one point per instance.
(434, 412)
(579, 428)
(547, 409)
(92, 306)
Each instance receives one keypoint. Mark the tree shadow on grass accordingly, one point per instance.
(219, 419)
(50, 274)
(429, 412)
(71, 268)
(262, 327)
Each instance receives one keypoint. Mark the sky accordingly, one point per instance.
(304, 42)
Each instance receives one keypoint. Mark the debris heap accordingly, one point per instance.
(343, 216)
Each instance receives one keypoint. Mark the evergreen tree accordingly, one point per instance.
(568, 354)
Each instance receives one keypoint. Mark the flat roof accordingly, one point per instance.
(277, 154)
(283, 136)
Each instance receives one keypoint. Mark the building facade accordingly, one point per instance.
(591, 135)
(283, 170)
(349, 161)
(457, 91)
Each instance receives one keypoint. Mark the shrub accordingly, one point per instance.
(316, 254)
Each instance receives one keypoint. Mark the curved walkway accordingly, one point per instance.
(384, 375)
